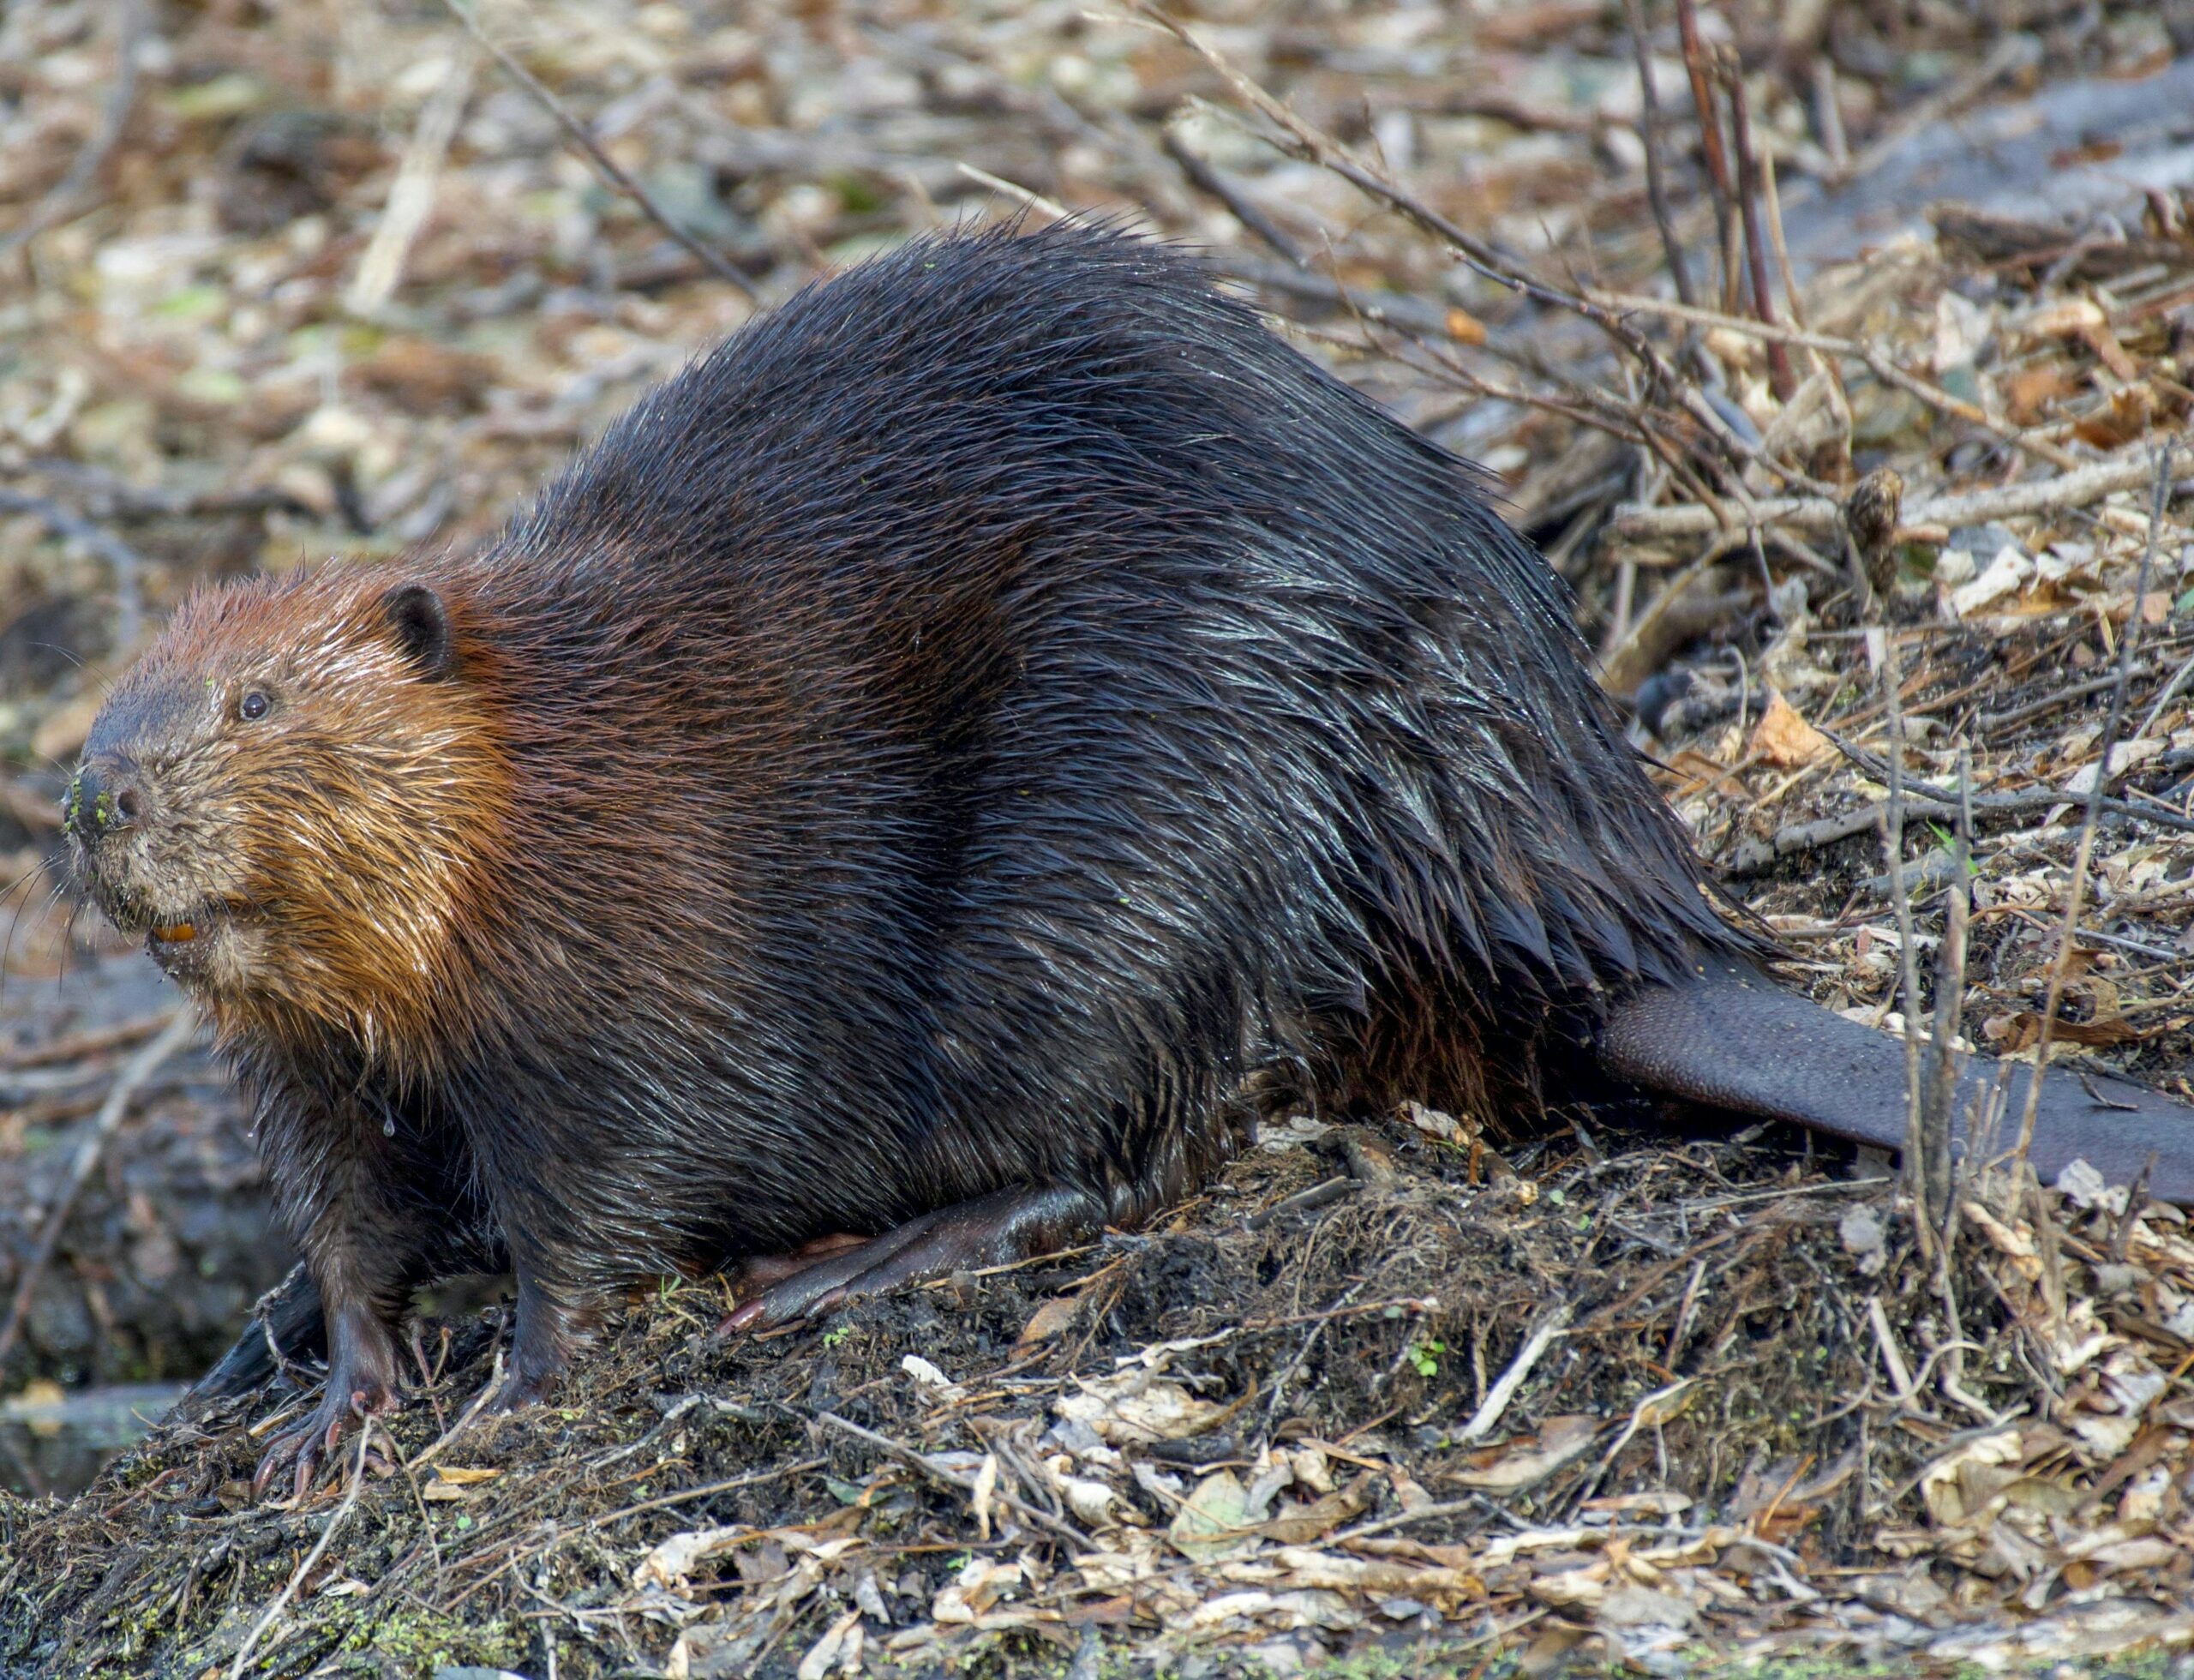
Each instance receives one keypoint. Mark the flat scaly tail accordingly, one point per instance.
(1733, 1039)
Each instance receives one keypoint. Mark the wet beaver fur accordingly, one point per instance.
(928, 774)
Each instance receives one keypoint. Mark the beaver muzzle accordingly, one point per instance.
(104, 799)
(104, 812)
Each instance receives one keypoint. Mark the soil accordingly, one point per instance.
(1372, 1323)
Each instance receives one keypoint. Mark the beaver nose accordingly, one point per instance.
(103, 800)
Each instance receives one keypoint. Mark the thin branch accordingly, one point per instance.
(2061, 968)
(311, 1561)
(1710, 139)
(124, 562)
(2090, 482)
(61, 202)
(1938, 1095)
(2170, 691)
(1755, 855)
(1879, 365)
(1828, 117)
(1207, 180)
(604, 165)
(1908, 966)
(952, 1479)
(1543, 1336)
(1313, 145)
(2014, 52)
(1027, 196)
(1780, 378)
(135, 1072)
(1651, 130)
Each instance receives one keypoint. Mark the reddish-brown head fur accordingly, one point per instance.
(297, 799)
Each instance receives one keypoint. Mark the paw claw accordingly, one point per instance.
(308, 1448)
(742, 1317)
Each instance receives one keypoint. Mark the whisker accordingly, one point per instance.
(21, 881)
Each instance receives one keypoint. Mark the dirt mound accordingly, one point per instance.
(1349, 1398)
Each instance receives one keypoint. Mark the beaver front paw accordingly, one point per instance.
(310, 1446)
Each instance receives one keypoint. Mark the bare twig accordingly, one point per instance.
(1780, 378)
(2089, 483)
(75, 1047)
(2170, 689)
(1900, 1374)
(1312, 144)
(410, 199)
(952, 1479)
(479, 1404)
(1755, 855)
(1991, 721)
(62, 200)
(604, 165)
(1542, 1336)
(1415, 315)
(311, 1561)
(2012, 52)
(1027, 196)
(1828, 116)
(708, 1490)
(1206, 179)
(1907, 965)
(2060, 967)
(140, 1068)
(1651, 130)
(1878, 363)
(1709, 141)
(1938, 1096)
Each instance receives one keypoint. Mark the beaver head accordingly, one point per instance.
(288, 796)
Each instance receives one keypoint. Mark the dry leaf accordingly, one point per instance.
(1959, 1486)
(1049, 1320)
(979, 1585)
(1522, 1462)
(1215, 1521)
(2024, 1031)
(825, 1654)
(1464, 327)
(672, 1561)
(1137, 1405)
(1782, 738)
(1304, 1523)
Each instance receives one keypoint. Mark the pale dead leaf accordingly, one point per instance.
(1215, 1520)
(1528, 1460)
(1320, 1516)
(1048, 1320)
(979, 1585)
(1782, 739)
(1137, 1405)
(672, 1560)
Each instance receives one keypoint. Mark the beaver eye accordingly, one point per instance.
(255, 705)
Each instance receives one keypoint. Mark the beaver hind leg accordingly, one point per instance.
(993, 1230)
(1729, 1037)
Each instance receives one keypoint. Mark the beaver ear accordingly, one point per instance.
(416, 612)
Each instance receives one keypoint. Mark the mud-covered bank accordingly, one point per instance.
(169, 1237)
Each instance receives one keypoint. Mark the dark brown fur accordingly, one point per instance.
(931, 772)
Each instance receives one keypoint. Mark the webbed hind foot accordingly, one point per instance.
(990, 1230)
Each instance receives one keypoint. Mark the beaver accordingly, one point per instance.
(908, 797)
